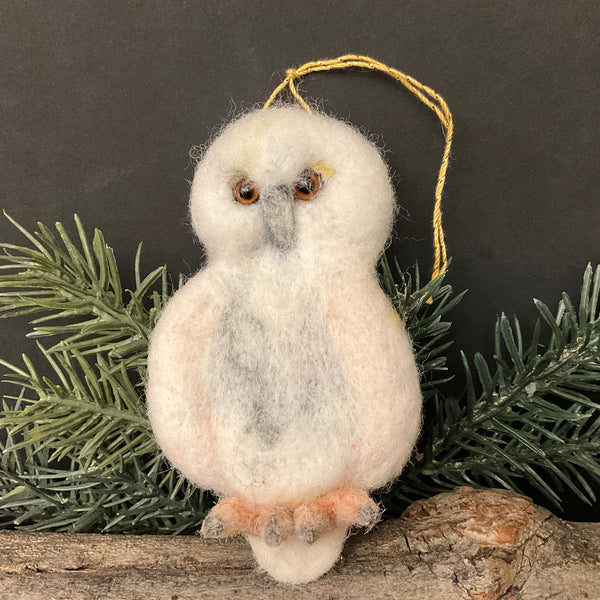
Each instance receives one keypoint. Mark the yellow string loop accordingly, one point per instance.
(428, 96)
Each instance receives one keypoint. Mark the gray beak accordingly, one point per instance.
(277, 205)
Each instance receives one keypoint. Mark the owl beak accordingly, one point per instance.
(277, 206)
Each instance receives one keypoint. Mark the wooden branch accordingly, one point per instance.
(465, 545)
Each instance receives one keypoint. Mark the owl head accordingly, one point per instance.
(291, 183)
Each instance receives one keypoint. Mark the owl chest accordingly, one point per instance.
(275, 375)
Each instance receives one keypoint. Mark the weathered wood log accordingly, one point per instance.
(467, 545)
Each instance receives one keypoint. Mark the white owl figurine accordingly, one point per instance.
(280, 376)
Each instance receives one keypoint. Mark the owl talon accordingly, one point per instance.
(274, 533)
(368, 515)
(213, 527)
(306, 535)
(279, 526)
(312, 520)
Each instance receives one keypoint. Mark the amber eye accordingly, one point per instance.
(307, 185)
(245, 192)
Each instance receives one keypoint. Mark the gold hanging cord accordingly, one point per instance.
(428, 96)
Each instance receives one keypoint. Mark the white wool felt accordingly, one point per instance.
(280, 371)
(295, 562)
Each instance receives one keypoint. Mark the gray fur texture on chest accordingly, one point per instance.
(275, 375)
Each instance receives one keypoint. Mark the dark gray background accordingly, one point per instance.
(103, 100)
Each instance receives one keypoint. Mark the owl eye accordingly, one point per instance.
(307, 185)
(245, 192)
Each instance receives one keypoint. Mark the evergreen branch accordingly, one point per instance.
(423, 321)
(80, 414)
(83, 287)
(532, 420)
(36, 494)
(85, 431)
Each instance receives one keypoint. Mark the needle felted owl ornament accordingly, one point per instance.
(280, 376)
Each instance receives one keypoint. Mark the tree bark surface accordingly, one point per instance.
(464, 545)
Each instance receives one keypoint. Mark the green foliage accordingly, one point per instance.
(422, 308)
(79, 453)
(528, 419)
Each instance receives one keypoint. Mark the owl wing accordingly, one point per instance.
(378, 362)
(178, 402)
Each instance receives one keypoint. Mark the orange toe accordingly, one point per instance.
(312, 520)
(274, 524)
(236, 516)
(352, 507)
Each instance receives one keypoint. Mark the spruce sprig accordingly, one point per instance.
(529, 420)
(91, 408)
(82, 290)
(424, 320)
(79, 453)
(144, 496)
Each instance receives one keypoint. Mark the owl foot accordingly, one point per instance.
(342, 507)
(231, 517)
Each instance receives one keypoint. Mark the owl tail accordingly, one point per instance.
(295, 561)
